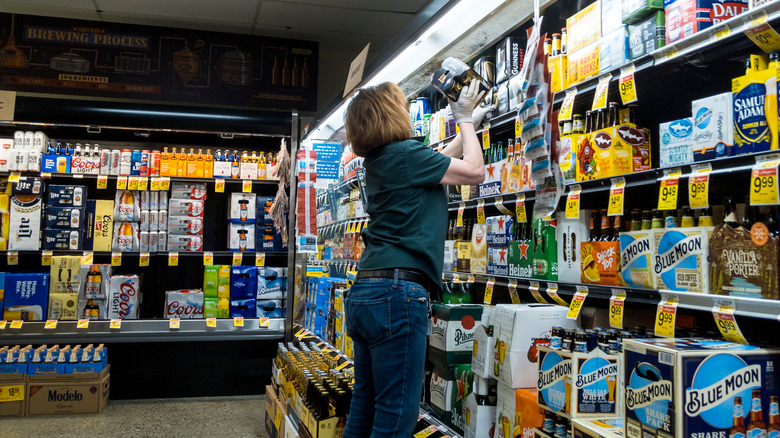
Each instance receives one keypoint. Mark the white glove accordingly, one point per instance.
(479, 114)
(469, 98)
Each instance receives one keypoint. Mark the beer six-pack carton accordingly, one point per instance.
(743, 263)
(693, 388)
(452, 332)
(680, 260)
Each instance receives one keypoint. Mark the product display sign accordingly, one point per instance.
(123, 61)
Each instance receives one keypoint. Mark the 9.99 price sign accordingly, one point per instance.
(764, 183)
(665, 319)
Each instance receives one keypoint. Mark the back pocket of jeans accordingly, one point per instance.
(368, 319)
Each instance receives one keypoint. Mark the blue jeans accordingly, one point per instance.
(388, 321)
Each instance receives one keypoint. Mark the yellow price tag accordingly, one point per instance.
(616, 305)
(668, 53)
(665, 317)
(13, 258)
(46, 258)
(143, 183)
(211, 322)
(481, 211)
(238, 321)
(520, 209)
(50, 324)
(489, 291)
(121, 183)
(165, 183)
(518, 126)
(3, 324)
(461, 207)
(573, 202)
(667, 194)
(46, 175)
(727, 324)
(552, 292)
(132, 183)
(615, 207)
(763, 34)
(567, 107)
(237, 258)
(465, 192)
(14, 177)
(471, 278)
(87, 258)
(576, 303)
(174, 323)
(219, 185)
(486, 137)
(264, 322)
(143, 259)
(698, 186)
(208, 258)
(116, 259)
(11, 393)
(260, 259)
(719, 34)
(16, 324)
(533, 287)
(173, 259)
(246, 186)
(627, 85)
(155, 184)
(82, 324)
(602, 91)
(102, 181)
(512, 286)
(115, 324)
(499, 203)
(425, 433)
(764, 189)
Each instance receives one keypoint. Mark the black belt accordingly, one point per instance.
(403, 274)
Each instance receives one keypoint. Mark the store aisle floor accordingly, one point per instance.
(233, 417)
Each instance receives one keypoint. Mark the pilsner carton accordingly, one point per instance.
(517, 412)
(686, 387)
(452, 332)
(681, 259)
(441, 387)
(743, 264)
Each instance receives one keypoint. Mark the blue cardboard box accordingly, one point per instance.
(44, 368)
(263, 210)
(271, 283)
(270, 309)
(243, 282)
(245, 308)
(26, 297)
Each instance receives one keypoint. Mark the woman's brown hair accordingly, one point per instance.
(377, 116)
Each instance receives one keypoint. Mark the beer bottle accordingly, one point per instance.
(756, 426)
(606, 227)
(632, 109)
(499, 152)
(563, 41)
(774, 415)
(577, 126)
(671, 219)
(730, 212)
(747, 217)
(705, 218)
(771, 222)
(618, 227)
(613, 114)
(636, 219)
(593, 233)
(658, 219)
(647, 220)
(556, 44)
(588, 121)
(687, 217)
(547, 46)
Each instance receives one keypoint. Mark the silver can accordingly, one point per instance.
(154, 238)
(105, 162)
(125, 162)
(162, 204)
(154, 200)
(144, 241)
(116, 157)
(145, 200)
(162, 240)
(162, 222)
(154, 220)
(145, 220)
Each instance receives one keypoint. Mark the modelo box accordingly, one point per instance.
(517, 412)
(676, 142)
(66, 196)
(688, 387)
(26, 297)
(452, 331)
(24, 232)
(497, 261)
(569, 234)
(637, 258)
(519, 330)
(69, 393)
(713, 127)
(681, 260)
(647, 36)
(742, 264)
(62, 239)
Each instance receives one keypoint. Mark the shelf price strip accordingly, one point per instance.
(602, 91)
(719, 34)
(667, 194)
(102, 182)
(461, 207)
(627, 85)
(761, 33)
(46, 258)
(211, 322)
(616, 193)
(533, 287)
(143, 183)
(573, 202)
(489, 291)
(50, 324)
(246, 186)
(13, 258)
(238, 321)
(16, 324)
(723, 313)
(698, 186)
(165, 183)
(764, 189)
(481, 211)
(520, 209)
(82, 324)
(512, 286)
(115, 324)
(552, 292)
(666, 314)
(616, 307)
(155, 184)
(87, 258)
(132, 183)
(576, 303)
(264, 322)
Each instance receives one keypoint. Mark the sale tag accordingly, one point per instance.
(576, 303)
(115, 324)
(116, 259)
(165, 183)
(86, 258)
(425, 433)
(499, 203)
(211, 322)
(512, 286)
(143, 259)
(16, 324)
(552, 292)
(518, 127)
(461, 208)
(174, 323)
(3, 324)
(14, 177)
(602, 91)
(50, 324)
(237, 258)
(12, 393)
(667, 194)
(573, 202)
(481, 212)
(520, 209)
(567, 107)
(260, 259)
(616, 305)
(626, 84)
(471, 278)
(46, 258)
(143, 183)
(533, 287)
(132, 183)
(82, 324)
(489, 291)
(155, 184)
(265, 322)
(762, 33)
(102, 181)
(665, 316)
(238, 321)
(615, 207)
(486, 137)
(764, 189)
(723, 312)
(698, 185)
(465, 192)
(173, 259)
(208, 258)
(13, 258)
(121, 183)
(246, 186)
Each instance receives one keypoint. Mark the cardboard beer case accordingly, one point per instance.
(637, 258)
(441, 387)
(545, 250)
(681, 259)
(517, 413)
(482, 353)
(569, 234)
(598, 428)
(452, 332)
(520, 259)
(463, 382)
(743, 264)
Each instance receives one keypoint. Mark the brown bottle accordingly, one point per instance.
(605, 227)
(738, 421)
(617, 229)
(774, 418)
(613, 114)
(756, 427)
(593, 236)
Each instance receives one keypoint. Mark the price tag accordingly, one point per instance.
(14, 177)
(3, 324)
(50, 324)
(102, 181)
(698, 185)
(132, 183)
(211, 322)
(764, 189)
(143, 183)
(486, 137)
(762, 33)
(208, 258)
(425, 433)
(720, 33)
(533, 287)
(174, 323)
(518, 126)
(173, 259)
(46, 258)
(238, 321)
(573, 202)
(16, 324)
(143, 259)
(78, 176)
(260, 259)
(499, 203)
(489, 291)
(616, 305)
(667, 53)
(465, 192)
(481, 211)
(264, 322)
(665, 316)
(121, 183)
(86, 258)
(165, 183)
(615, 207)
(667, 194)
(246, 186)
(155, 184)
(46, 175)
(461, 207)
(116, 259)
(13, 258)
(512, 286)
(602, 91)
(237, 258)
(342, 365)
(576, 303)
(12, 393)
(115, 324)
(627, 85)
(520, 209)
(723, 312)
(567, 107)
(82, 324)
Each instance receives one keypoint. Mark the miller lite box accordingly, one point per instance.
(637, 258)
(681, 259)
(25, 223)
(62, 239)
(452, 332)
(123, 297)
(519, 331)
(185, 303)
(517, 412)
(66, 196)
(499, 230)
(569, 234)
(676, 142)
(694, 388)
(188, 190)
(64, 217)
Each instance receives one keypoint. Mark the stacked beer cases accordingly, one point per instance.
(25, 215)
(242, 214)
(154, 221)
(127, 221)
(185, 216)
(65, 218)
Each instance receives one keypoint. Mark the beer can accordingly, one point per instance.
(105, 162)
(423, 108)
(154, 238)
(154, 200)
(418, 128)
(135, 162)
(22, 158)
(154, 163)
(145, 220)
(126, 162)
(145, 204)
(29, 138)
(162, 240)
(154, 220)
(163, 202)
(39, 141)
(144, 241)
(143, 169)
(412, 111)
(18, 139)
(162, 220)
(116, 158)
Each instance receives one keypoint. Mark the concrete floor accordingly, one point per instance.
(233, 417)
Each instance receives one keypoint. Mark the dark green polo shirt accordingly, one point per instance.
(407, 207)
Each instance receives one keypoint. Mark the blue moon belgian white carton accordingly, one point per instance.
(691, 388)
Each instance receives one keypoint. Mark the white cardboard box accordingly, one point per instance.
(569, 234)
